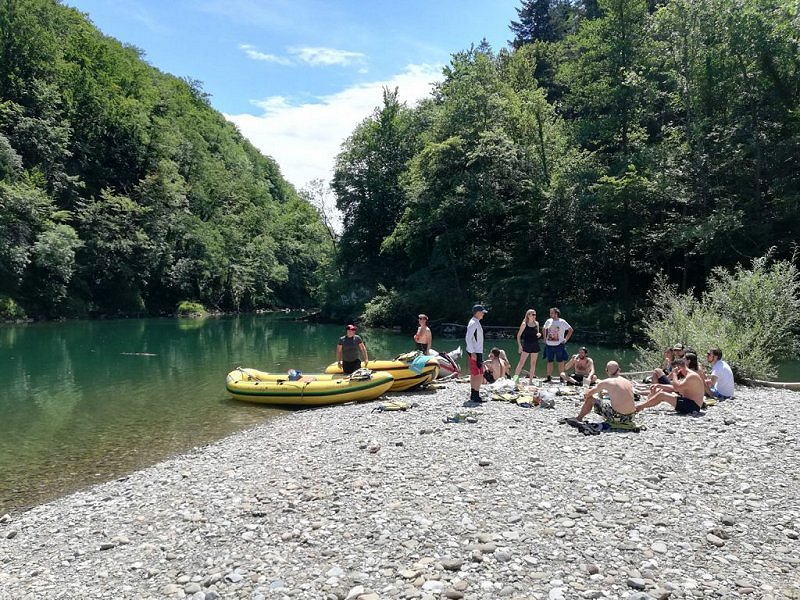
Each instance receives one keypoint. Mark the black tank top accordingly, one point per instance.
(529, 334)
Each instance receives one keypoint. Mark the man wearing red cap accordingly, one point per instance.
(348, 349)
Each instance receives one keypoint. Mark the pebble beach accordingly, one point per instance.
(349, 503)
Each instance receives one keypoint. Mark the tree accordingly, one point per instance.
(319, 195)
(54, 261)
(534, 23)
(123, 190)
(367, 185)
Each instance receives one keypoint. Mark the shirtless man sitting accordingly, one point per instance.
(620, 404)
(497, 366)
(584, 369)
(684, 393)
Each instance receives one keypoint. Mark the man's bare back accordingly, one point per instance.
(620, 392)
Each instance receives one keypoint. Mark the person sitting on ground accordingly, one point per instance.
(423, 338)
(619, 406)
(694, 364)
(497, 366)
(670, 354)
(684, 393)
(348, 349)
(720, 384)
(584, 369)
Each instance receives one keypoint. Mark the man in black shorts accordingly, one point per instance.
(684, 393)
(348, 349)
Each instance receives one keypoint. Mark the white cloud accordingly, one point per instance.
(304, 138)
(316, 56)
(251, 52)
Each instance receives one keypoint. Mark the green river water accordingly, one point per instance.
(87, 401)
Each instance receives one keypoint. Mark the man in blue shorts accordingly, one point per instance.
(556, 333)
(720, 385)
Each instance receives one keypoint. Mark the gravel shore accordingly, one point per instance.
(347, 503)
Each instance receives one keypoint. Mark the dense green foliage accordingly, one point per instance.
(752, 315)
(122, 191)
(614, 145)
(187, 308)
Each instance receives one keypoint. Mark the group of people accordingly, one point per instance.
(350, 347)
(555, 333)
(679, 382)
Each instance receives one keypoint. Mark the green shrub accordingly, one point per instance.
(752, 315)
(383, 309)
(10, 310)
(187, 308)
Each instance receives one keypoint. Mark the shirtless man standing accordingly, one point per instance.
(620, 404)
(584, 369)
(684, 393)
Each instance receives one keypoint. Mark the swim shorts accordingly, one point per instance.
(602, 406)
(476, 363)
(686, 406)
(715, 393)
(349, 366)
(556, 353)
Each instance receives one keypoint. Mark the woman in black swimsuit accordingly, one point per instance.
(528, 342)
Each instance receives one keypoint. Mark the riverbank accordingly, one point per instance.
(344, 502)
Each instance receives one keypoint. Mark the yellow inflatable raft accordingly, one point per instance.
(251, 385)
(404, 377)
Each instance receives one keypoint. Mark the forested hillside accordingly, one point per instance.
(123, 192)
(612, 144)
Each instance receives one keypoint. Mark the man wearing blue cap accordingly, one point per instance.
(474, 341)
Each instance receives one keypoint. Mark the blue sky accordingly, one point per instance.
(296, 76)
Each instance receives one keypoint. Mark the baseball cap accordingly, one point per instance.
(678, 347)
(479, 308)
(422, 316)
(350, 327)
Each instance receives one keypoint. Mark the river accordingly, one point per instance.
(87, 401)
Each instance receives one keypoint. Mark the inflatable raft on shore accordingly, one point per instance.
(251, 385)
(405, 378)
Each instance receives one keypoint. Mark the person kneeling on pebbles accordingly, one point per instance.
(685, 392)
(619, 404)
